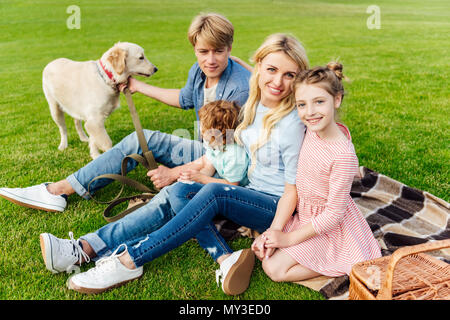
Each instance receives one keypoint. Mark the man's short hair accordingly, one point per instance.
(213, 28)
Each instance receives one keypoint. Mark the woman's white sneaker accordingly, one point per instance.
(62, 254)
(36, 197)
(108, 273)
(235, 271)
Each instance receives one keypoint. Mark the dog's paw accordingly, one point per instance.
(94, 153)
(105, 146)
(84, 139)
(62, 146)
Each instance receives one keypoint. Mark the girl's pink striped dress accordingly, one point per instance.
(324, 177)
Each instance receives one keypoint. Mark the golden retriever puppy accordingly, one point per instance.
(88, 91)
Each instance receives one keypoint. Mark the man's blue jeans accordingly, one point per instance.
(168, 150)
(247, 207)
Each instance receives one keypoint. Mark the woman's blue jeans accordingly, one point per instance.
(168, 150)
(199, 205)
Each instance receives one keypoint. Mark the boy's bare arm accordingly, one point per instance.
(203, 175)
(208, 168)
(164, 176)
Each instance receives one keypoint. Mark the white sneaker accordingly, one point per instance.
(62, 254)
(108, 273)
(36, 197)
(235, 271)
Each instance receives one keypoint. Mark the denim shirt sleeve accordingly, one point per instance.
(240, 97)
(235, 86)
(186, 98)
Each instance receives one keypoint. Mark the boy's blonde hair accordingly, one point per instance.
(222, 117)
(273, 43)
(213, 28)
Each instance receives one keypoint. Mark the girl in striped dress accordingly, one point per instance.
(327, 234)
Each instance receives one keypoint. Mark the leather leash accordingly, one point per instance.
(147, 160)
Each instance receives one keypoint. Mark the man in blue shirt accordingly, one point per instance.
(213, 77)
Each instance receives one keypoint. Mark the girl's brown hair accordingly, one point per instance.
(222, 117)
(328, 78)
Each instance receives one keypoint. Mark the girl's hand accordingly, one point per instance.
(277, 239)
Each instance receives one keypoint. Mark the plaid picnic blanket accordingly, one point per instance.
(398, 216)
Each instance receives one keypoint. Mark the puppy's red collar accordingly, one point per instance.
(108, 73)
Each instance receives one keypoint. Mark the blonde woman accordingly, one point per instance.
(271, 134)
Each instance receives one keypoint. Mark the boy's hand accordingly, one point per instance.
(191, 175)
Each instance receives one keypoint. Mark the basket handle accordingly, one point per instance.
(385, 292)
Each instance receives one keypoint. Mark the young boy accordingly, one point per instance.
(219, 120)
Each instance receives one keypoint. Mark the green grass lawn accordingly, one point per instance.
(397, 108)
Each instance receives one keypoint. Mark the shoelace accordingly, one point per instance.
(78, 252)
(106, 263)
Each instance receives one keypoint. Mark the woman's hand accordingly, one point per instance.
(258, 247)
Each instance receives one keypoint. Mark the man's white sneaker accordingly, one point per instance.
(235, 271)
(62, 254)
(36, 197)
(108, 273)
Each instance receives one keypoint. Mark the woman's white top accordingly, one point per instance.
(276, 161)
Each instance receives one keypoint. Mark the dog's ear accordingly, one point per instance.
(117, 58)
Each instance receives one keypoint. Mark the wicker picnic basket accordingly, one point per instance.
(417, 276)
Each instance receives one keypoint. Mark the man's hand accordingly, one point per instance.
(162, 176)
(132, 85)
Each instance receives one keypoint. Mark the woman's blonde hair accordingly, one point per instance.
(213, 28)
(274, 43)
